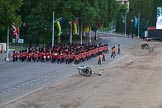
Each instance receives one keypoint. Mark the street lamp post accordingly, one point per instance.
(125, 23)
(124, 18)
(132, 27)
(138, 25)
(139, 6)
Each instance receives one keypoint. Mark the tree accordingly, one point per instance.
(8, 13)
(37, 15)
(121, 17)
(146, 9)
(107, 11)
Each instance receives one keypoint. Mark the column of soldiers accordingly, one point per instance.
(101, 57)
(113, 53)
(60, 53)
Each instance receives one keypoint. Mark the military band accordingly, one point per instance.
(60, 53)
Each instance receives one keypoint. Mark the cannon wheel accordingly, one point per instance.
(87, 72)
(80, 72)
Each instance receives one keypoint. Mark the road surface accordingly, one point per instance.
(21, 79)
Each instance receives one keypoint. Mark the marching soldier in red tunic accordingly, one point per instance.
(113, 54)
(29, 56)
(23, 54)
(103, 56)
(14, 56)
(118, 49)
(99, 59)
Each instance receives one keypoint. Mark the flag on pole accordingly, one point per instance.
(86, 28)
(135, 22)
(75, 23)
(123, 18)
(16, 32)
(59, 26)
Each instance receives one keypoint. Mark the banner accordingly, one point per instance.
(59, 26)
(135, 22)
(159, 18)
(86, 28)
(75, 24)
(16, 32)
(123, 18)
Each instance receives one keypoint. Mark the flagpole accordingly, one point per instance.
(90, 35)
(71, 31)
(7, 56)
(53, 29)
(138, 24)
(81, 38)
(125, 23)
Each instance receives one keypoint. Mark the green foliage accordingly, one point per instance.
(8, 13)
(104, 29)
(146, 9)
(36, 15)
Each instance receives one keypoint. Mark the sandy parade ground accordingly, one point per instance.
(135, 81)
